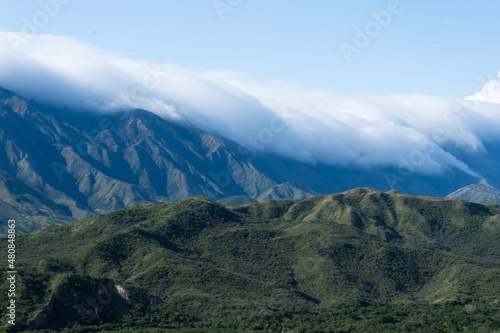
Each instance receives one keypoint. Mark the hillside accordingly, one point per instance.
(61, 165)
(358, 261)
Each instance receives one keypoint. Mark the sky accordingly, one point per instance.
(380, 83)
(442, 48)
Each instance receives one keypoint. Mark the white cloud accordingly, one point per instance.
(320, 126)
(489, 93)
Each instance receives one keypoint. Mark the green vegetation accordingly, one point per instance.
(359, 261)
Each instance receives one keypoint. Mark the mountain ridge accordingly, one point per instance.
(84, 163)
(121, 159)
(481, 192)
(309, 263)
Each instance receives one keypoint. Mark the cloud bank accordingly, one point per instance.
(305, 124)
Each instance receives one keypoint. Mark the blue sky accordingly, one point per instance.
(446, 48)
(384, 83)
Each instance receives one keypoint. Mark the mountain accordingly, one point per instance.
(59, 165)
(482, 192)
(68, 165)
(358, 261)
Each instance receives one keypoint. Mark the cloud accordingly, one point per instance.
(306, 124)
(489, 93)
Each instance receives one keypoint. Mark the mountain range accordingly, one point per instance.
(358, 261)
(59, 165)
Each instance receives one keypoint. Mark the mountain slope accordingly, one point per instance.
(87, 164)
(18, 199)
(79, 164)
(482, 192)
(357, 261)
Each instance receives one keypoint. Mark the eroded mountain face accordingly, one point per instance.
(59, 165)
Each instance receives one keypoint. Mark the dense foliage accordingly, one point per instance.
(359, 261)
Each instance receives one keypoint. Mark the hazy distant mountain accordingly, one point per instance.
(482, 192)
(358, 261)
(59, 165)
(80, 164)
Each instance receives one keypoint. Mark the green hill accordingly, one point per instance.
(358, 261)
